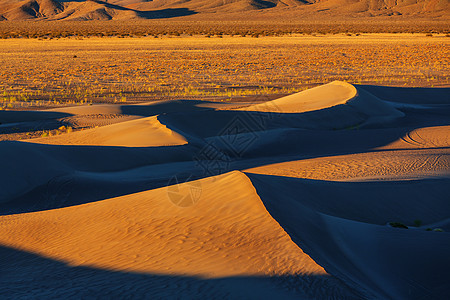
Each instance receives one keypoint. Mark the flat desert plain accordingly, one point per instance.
(303, 167)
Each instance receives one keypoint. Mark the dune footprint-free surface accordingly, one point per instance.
(340, 192)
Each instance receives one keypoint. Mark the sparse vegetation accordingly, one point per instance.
(417, 223)
(398, 225)
(60, 130)
(129, 29)
(201, 68)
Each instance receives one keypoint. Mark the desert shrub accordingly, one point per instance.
(398, 225)
(435, 229)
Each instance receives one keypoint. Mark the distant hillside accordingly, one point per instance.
(158, 9)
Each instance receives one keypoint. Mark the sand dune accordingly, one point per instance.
(291, 198)
(228, 232)
(346, 233)
(380, 165)
(427, 137)
(147, 132)
(149, 222)
(324, 96)
(338, 95)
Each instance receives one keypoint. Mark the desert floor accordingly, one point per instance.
(339, 191)
(43, 72)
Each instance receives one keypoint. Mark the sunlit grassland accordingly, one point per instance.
(68, 71)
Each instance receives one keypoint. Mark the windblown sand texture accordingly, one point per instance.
(289, 198)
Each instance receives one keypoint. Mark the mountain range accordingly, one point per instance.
(157, 9)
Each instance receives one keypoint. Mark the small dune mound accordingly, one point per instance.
(427, 137)
(334, 106)
(324, 96)
(146, 132)
(328, 103)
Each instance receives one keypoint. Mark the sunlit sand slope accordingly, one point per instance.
(345, 100)
(324, 96)
(339, 192)
(147, 132)
(427, 137)
(211, 228)
(386, 165)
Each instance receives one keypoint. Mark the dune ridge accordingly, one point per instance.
(141, 215)
(148, 233)
(320, 97)
(341, 191)
(333, 95)
(146, 132)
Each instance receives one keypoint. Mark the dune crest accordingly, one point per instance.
(337, 95)
(225, 231)
(144, 198)
(146, 132)
(320, 97)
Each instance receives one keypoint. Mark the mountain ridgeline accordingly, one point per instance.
(80, 10)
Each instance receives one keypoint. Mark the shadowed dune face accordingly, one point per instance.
(64, 281)
(336, 96)
(159, 198)
(385, 261)
(333, 106)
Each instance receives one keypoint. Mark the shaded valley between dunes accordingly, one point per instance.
(336, 192)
